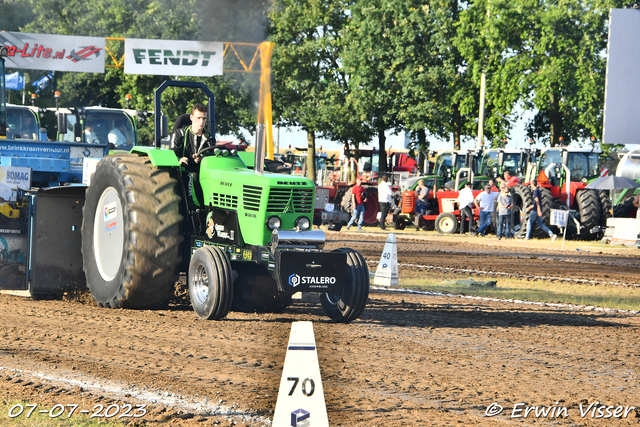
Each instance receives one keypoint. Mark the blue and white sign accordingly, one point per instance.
(12, 178)
(14, 81)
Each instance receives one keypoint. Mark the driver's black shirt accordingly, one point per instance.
(185, 144)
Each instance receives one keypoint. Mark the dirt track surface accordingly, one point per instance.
(409, 360)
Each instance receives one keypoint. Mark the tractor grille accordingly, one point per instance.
(225, 200)
(290, 200)
(251, 197)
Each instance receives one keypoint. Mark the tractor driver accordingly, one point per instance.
(118, 135)
(186, 142)
(28, 129)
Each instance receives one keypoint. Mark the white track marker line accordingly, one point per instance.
(199, 405)
(512, 301)
(518, 275)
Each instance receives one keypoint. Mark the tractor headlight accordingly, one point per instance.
(234, 152)
(273, 223)
(216, 151)
(584, 180)
(303, 223)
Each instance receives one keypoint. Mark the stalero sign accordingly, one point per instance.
(173, 57)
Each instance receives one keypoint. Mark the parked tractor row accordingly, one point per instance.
(563, 173)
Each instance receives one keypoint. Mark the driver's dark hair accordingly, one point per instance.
(534, 182)
(198, 107)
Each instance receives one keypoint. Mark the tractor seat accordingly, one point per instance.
(183, 121)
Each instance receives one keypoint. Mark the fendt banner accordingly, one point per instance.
(54, 52)
(173, 57)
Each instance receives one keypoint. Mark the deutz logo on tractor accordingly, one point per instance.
(169, 57)
(289, 208)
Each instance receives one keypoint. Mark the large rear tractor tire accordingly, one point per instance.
(590, 214)
(446, 223)
(210, 283)
(605, 205)
(522, 199)
(547, 204)
(131, 233)
(350, 304)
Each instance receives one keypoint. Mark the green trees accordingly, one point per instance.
(547, 55)
(563, 54)
(310, 87)
(416, 65)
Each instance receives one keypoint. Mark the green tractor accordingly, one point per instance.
(496, 161)
(249, 248)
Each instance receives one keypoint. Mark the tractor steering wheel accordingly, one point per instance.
(211, 148)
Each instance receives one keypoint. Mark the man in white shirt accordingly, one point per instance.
(465, 202)
(90, 136)
(117, 135)
(384, 200)
(485, 201)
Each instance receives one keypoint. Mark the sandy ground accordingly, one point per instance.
(409, 360)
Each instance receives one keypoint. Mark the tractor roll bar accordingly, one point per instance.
(157, 132)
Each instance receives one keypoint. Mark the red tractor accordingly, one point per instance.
(443, 212)
(563, 173)
(367, 167)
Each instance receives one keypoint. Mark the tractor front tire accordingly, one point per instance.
(131, 233)
(350, 304)
(547, 204)
(522, 199)
(590, 208)
(210, 283)
(399, 222)
(446, 223)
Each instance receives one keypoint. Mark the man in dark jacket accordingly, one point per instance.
(187, 142)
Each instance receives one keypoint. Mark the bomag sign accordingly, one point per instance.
(173, 57)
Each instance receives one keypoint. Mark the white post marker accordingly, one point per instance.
(301, 396)
(387, 272)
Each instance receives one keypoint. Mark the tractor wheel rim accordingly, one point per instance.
(446, 224)
(201, 284)
(108, 234)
